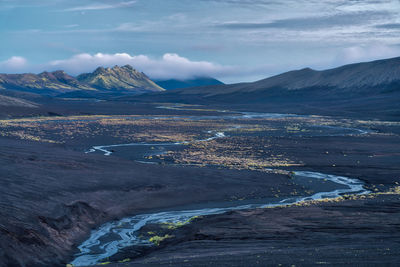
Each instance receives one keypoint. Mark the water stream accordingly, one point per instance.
(324, 129)
(114, 236)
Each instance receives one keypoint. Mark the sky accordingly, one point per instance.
(232, 40)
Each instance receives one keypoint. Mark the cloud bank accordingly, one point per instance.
(366, 53)
(310, 23)
(101, 6)
(13, 64)
(174, 66)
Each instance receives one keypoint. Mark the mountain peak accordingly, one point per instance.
(124, 78)
(59, 72)
(99, 70)
(307, 70)
(128, 67)
(45, 73)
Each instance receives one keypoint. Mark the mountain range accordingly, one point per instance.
(378, 76)
(117, 78)
(369, 88)
(372, 87)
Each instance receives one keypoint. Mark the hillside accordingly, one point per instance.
(46, 81)
(15, 107)
(7, 101)
(354, 78)
(370, 88)
(119, 78)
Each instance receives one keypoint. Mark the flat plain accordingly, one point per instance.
(66, 175)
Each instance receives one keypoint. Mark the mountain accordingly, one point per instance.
(378, 75)
(7, 101)
(46, 81)
(180, 84)
(369, 88)
(117, 78)
(123, 78)
(14, 107)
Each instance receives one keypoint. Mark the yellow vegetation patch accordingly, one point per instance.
(158, 239)
(392, 191)
(104, 263)
(175, 225)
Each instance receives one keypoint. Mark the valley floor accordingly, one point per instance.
(52, 193)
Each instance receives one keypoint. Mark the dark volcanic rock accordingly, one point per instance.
(51, 197)
(351, 233)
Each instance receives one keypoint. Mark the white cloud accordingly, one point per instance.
(71, 26)
(13, 64)
(367, 53)
(101, 6)
(167, 67)
(173, 66)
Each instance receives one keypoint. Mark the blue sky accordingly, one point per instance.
(233, 40)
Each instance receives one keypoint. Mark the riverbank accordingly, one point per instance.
(360, 232)
(51, 197)
(113, 237)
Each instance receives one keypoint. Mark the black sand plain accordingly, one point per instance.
(53, 194)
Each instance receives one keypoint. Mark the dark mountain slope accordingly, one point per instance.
(14, 106)
(383, 74)
(7, 101)
(365, 88)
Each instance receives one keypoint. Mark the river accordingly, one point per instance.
(114, 236)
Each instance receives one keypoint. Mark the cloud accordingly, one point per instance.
(370, 52)
(246, 2)
(101, 6)
(13, 64)
(304, 23)
(389, 26)
(71, 26)
(169, 66)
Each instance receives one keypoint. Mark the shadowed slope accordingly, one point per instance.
(364, 88)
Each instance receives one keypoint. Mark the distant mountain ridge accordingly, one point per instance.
(358, 75)
(379, 75)
(180, 84)
(370, 88)
(117, 78)
(57, 80)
